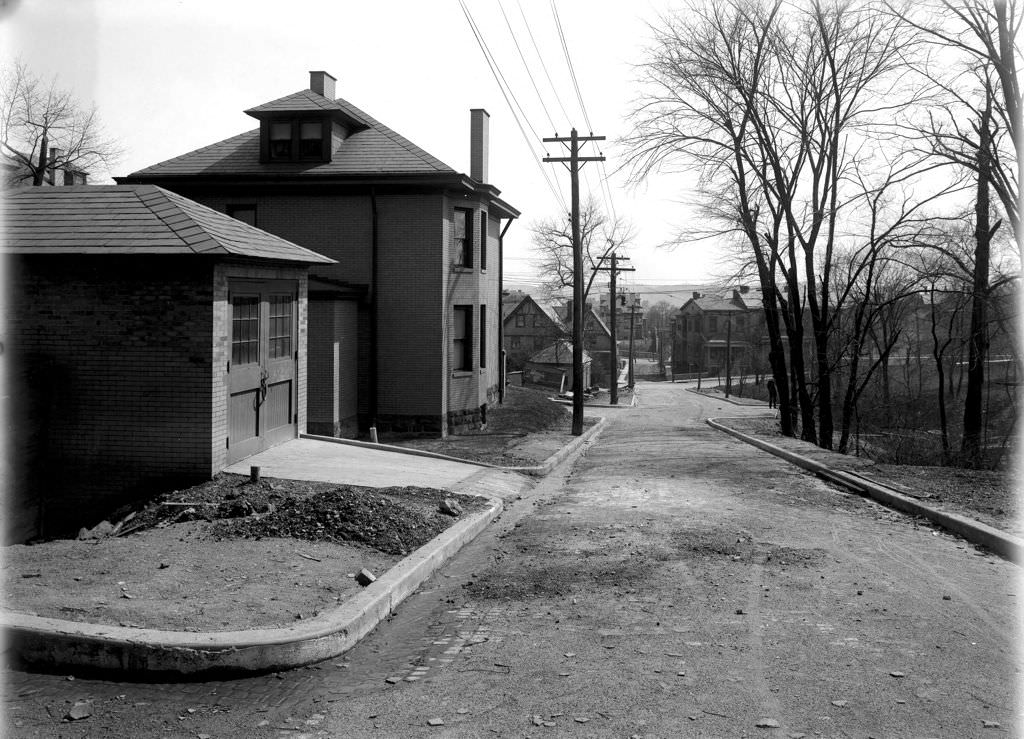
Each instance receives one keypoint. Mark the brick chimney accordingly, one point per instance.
(51, 166)
(696, 295)
(479, 136)
(322, 84)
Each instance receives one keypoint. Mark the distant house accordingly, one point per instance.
(710, 327)
(151, 342)
(597, 342)
(529, 326)
(16, 173)
(404, 325)
(552, 367)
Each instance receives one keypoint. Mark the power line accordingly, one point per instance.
(568, 61)
(497, 67)
(529, 73)
(498, 79)
(606, 193)
(544, 66)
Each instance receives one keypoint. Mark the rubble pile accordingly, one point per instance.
(343, 514)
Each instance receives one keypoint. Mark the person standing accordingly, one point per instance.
(773, 396)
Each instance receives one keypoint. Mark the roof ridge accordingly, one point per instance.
(190, 241)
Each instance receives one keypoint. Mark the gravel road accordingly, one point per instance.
(674, 582)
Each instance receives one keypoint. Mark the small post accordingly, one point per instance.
(254, 474)
(373, 434)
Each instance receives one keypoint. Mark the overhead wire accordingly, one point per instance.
(606, 193)
(529, 72)
(502, 84)
(544, 66)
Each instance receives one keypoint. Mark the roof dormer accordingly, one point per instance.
(306, 126)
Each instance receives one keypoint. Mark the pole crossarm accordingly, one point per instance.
(568, 139)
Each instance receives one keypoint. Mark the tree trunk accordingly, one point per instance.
(40, 171)
(937, 351)
(970, 445)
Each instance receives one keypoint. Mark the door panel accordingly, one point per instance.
(261, 408)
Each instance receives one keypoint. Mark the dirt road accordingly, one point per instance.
(675, 582)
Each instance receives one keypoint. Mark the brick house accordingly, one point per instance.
(529, 327)
(150, 342)
(709, 326)
(404, 328)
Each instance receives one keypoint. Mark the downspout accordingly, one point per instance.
(501, 317)
(374, 265)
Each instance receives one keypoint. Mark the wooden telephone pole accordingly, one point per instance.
(573, 162)
(613, 382)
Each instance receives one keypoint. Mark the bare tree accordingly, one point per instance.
(599, 236)
(976, 67)
(772, 105)
(44, 129)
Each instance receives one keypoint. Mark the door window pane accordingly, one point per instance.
(280, 326)
(245, 329)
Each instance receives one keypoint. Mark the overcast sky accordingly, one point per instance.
(170, 76)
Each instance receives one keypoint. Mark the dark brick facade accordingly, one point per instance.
(118, 380)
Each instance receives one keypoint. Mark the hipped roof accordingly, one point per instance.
(132, 219)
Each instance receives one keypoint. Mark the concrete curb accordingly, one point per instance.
(538, 470)
(562, 454)
(397, 449)
(56, 642)
(1001, 543)
(760, 403)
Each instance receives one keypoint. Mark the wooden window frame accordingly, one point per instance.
(483, 240)
(483, 336)
(462, 346)
(467, 239)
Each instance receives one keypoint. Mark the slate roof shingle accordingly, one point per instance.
(374, 150)
(132, 219)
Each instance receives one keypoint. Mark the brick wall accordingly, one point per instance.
(114, 368)
(417, 289)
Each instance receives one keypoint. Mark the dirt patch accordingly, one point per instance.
(228, 554)
(542, 578)
(741, 547)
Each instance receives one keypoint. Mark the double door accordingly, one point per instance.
(262, 396)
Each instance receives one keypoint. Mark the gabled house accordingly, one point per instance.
(552, 367)
(708, 328)
(404, 324)
(529, 326)
(150, 342)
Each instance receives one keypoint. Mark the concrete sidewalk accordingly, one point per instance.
(331, 461)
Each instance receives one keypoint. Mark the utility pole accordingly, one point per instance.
(573, 162)
(613, 382)
(632, 315)
(728, 354)
(659, 338)
(613, 358)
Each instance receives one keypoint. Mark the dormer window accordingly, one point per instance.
(311, 140)
(281, 141)
(295, 140)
